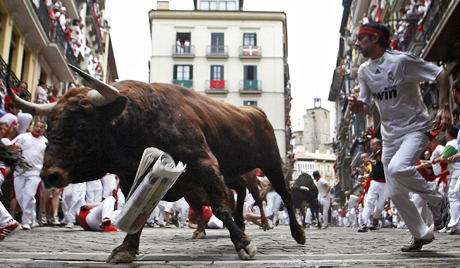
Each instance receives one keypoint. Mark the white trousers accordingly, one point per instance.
(25, 188)
(215, 223)
(326, 203)
(375, 202)
(422, 207)
(5, 216)
(273, 205)
(104, 210)
(352, 216)
(73, 197)
(399, 157)
(454, 199)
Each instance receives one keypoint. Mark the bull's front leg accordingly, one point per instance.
(126, 252)
(217, 192)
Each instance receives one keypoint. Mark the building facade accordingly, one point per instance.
(228, 54)
(431, 31)
(36, 43)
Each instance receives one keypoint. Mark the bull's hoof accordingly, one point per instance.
(266, 226)
(299, 236)
(122, 255)
(198, 235)
(248, 252)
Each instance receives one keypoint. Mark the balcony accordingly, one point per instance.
(184, 83)
(185, 52)
(35, 21)
(250, 87)
(441, 26)
(218, 52)
(92, 21)
(216, 86)
(59, 53)
(250, 52)
(13, 79)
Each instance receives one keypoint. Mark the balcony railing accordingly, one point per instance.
(433, 17)
(250, 85)
(91, 12)
(13, 79)
(430, 96)
(58, 36)
(183, 52)
(184, 83)
(43, 16)
(216, 85)
(217, 51)
(253, 52)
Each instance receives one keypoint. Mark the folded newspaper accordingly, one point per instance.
(156, 174)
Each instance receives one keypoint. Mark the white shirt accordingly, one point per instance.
(392, 81)
(454, 168)
(33, 151)
(353, 201)
(322, 189)
(435, 155)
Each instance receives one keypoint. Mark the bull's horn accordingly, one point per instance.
(102, 93)
(28, 107)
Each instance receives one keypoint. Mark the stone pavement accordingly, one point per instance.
(163, 247)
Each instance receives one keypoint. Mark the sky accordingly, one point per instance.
(313, 42)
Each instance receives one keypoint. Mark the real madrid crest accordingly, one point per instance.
(391, 77)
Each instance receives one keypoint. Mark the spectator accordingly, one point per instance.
(42, 93)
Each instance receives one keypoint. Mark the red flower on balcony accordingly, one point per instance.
(217, 83)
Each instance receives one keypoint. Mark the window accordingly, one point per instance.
(249, 39)
(184, 39)
(217, 72)
(249, 103)
(250, 72)
(217, 43)
(214, 4)
(328, 168)
(183, 75)
(227, 5)
(208, 5)
(183, 72)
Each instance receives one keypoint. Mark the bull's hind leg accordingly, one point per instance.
(127, 251)
(251, 182)
(275, 174)
(217, 192)
(196, 206)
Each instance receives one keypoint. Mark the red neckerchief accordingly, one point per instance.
(318, 178)
(35, 135)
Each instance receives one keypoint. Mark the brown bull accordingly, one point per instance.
(106, 129)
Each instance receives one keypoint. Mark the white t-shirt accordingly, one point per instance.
(392, 81)
(33, 151)
(435, 155)
(454, 168)
(322, 189)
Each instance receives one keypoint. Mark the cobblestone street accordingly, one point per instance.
(163, 247)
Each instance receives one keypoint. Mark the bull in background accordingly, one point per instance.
(105, 129)
(305, 192)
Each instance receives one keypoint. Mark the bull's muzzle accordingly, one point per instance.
(55, 177)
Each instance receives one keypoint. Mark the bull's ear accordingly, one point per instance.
(114, 109)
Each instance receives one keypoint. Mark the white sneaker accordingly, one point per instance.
(26, 227)
(443, 230)
(69, 225)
